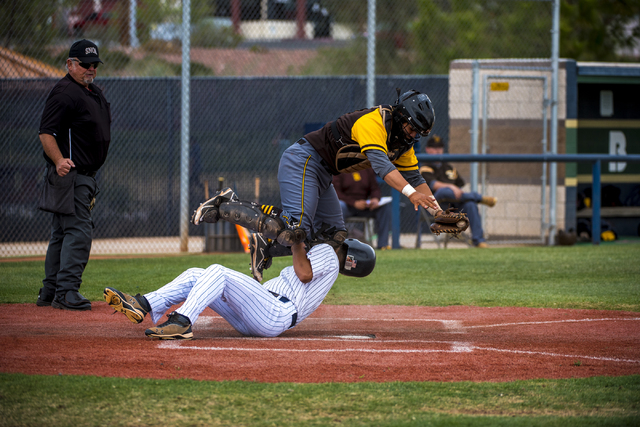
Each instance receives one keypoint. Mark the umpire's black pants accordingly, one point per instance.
(70, 244)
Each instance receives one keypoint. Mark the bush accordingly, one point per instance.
(215, 33)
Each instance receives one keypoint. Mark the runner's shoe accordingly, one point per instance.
(260, 259)
(135, 308)
(208, 211)
(177, 327)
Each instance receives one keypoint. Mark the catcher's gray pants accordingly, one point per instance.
(306, 188)
(70, 243)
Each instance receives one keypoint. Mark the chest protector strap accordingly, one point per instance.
(349, 158)
(336, 134)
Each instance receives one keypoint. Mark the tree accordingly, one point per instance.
(458, 29)
(595, 30)
(26, 24)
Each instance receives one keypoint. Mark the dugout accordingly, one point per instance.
(603, 117)
(597, 114)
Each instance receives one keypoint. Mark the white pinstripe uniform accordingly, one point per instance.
(248, 306)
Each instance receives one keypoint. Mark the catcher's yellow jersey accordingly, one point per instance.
(360, 131)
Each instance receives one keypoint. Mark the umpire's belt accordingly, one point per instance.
(85, 172)
(294, 317)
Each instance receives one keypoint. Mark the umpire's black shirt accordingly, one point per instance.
(73, 112)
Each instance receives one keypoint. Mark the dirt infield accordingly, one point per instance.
(335, 344)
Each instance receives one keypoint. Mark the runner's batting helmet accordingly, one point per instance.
(360, 259)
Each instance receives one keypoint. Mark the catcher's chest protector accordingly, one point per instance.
(349, 158)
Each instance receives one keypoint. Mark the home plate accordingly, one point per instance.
(355, 337)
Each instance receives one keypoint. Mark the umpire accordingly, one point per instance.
(75, 132)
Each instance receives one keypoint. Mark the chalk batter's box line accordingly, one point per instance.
(453, 325)
(450, 324)
(177, 345)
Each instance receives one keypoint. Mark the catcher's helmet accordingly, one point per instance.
(416, 109)
(360, 259)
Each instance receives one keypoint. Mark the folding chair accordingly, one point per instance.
(368, 225)
(425, 217)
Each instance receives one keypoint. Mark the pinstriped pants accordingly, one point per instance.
(242, 301)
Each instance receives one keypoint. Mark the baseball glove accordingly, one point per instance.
(449, 222)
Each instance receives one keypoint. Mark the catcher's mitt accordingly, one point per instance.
(449, 222)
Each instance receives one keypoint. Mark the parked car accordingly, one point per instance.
(166, 31)
(98, 20)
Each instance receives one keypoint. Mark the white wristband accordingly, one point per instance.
(433, 211)
(408, 190)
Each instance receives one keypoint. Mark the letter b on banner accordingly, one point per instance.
(617, 146)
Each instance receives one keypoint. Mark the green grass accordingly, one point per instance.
(582, 276)
(585, 277)
(92, 401)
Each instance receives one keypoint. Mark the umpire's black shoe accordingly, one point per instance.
(135, 308)
(177, 327)
(72, 300)
(208, 211)
(45, 298)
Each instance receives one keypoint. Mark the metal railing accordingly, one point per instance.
(595, 159)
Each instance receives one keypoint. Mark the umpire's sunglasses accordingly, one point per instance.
(86, 65)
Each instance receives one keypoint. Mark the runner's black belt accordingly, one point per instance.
(294, 317)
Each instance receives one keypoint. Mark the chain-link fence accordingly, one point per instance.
(263, 72)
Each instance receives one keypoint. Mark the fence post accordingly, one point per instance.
(595, 202)
(395, 219)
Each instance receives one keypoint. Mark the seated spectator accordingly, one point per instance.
(446, 185)
(359, 195)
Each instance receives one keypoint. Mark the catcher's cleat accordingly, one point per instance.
(489, 201)
(260, 259)
(177, 327)
(208, 211)
(135, 308)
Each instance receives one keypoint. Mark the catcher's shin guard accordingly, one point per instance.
(249, 215)
(266, 220)
(292, 233)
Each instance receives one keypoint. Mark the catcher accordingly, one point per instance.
(380, 138)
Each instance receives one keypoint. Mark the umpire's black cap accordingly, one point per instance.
(85, 50)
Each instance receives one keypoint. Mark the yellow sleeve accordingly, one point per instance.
(369, 132)
(407, 162)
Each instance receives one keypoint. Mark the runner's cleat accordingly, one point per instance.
(135, 308)
(177, 327)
